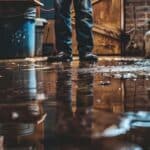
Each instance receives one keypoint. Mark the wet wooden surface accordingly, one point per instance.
(75, 105)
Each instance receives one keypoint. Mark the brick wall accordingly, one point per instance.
(137, 13)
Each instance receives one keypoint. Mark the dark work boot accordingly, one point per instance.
(89, 57)
(60, 57)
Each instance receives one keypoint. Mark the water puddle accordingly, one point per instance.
(75, 106)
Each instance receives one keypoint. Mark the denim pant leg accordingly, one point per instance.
(84, 23)
(63, 28)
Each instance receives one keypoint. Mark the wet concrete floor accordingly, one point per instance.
(75, 106)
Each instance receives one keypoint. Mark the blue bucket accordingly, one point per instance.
(17, 36)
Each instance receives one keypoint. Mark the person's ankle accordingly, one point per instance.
(88, 56)
(61, 56)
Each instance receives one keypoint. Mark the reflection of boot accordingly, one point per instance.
(63, 128)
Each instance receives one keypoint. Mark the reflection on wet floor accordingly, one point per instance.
(75, 106)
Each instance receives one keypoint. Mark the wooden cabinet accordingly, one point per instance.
(107, 27)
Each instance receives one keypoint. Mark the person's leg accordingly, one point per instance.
(63, 28)
(63, 31)
(84, 24)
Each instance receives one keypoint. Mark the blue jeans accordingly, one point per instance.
(84, 23)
